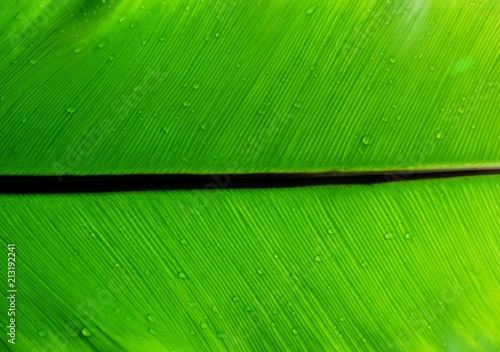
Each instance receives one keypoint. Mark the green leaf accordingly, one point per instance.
(233, 86)
(409, 266)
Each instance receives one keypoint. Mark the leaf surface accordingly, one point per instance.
(233, 86)
(409, 266)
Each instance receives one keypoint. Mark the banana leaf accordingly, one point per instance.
(409, 266)
(233, 86)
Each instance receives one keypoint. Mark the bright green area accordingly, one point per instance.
(410, 266)
(117, 87)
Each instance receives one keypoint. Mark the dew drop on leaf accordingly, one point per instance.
(296, 331)
(86, 332)
(151, 318)
(182, 275)
(367, 140)
(42, 334)
(204, 325)
(311, 10)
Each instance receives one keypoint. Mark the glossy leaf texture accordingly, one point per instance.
(237, 86)
(408, 266)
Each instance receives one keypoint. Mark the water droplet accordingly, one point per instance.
(122, 19)
(331, 231)
(364, 264)
(294, 277)
(152, 331)
(389, 235)
(33, 61)
(248, 309)
(392, 60)
(186, 104)
(432, 68)
(182, 275)
(42, 333)
(162, 39)
(166, 129)
(367, 140)
(133, 24)
(296, 331)
(101, 44)
(151, 318)
(86, 332)
(461, 110)
(117, 265)
(318, 259)
(236, 298)
(196, 85)
(440, 135)
(261, 271)
(203, 126)
(204, 325)
(221, 335)
(311, 10)
(342, 319)
(297, 105)
(184, 242)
